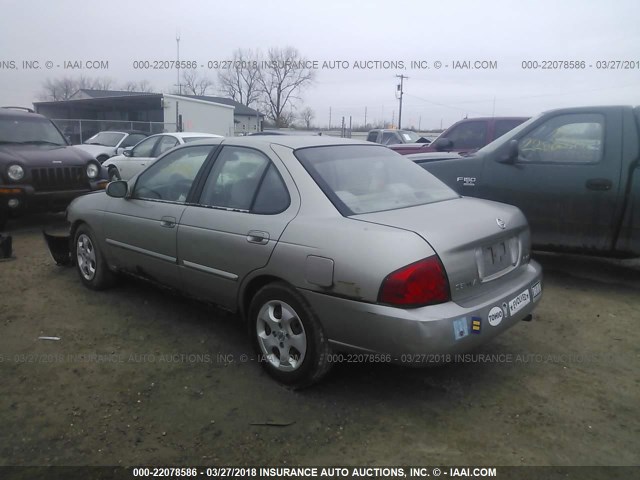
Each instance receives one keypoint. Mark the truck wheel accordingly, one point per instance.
(114, 174)
(288, 337)
(92, 268)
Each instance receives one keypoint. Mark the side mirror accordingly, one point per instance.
(117, 189)
(511, 153)
(128, 152)
(443, 144)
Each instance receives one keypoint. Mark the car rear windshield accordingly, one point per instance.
(365, 179)
(34, 130)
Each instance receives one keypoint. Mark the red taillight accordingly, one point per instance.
(416, 285)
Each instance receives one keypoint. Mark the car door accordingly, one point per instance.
(140, 229)
(565, 178)
(245, 204)
(138, 157)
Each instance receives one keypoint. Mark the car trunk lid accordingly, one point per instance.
(480, 243)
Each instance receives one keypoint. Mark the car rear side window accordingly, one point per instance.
(245, 179)
(469, 136)
(372, 137)
(389, 138)
(171, 177)
(365, 179)
(504, 126)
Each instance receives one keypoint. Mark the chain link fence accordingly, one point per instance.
(77, 131)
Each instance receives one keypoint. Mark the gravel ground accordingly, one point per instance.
(142, 377)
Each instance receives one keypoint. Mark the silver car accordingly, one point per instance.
(322, 245)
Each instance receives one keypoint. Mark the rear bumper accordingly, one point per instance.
(407, 334)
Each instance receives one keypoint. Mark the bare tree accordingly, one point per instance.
(194, 83)
(307, 115)
(281, 79)
(64, 88)
(241, 81)
(58, 89)
(141, 86)
(101, 83)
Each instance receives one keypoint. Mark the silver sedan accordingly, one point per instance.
(322, 245)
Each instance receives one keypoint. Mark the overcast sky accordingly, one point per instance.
(507, 32)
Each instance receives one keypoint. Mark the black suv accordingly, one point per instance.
(39, 170)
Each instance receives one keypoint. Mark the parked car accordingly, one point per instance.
(104, 145)
(39, 170)
(465, 136)
(395, 137)
(320, 244)
(574, 172)
(285, 132)
(134, 159)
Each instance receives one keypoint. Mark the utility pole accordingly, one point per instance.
(401, 77)
(393, 118)
(329, 118)
(179, 85)
(365, 117)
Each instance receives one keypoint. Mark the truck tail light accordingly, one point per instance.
(416, 285)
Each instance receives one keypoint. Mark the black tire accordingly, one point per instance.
(92, 268)
(114, 174)
(303, 326)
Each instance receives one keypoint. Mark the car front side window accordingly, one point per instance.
(145, 147)
(165, 144)
(572, 138)
(170, 179)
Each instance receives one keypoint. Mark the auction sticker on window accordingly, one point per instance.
(518, 303)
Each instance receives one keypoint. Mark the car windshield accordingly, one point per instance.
(32, 130)
(365, 179)
(108, 139)
(409, 137)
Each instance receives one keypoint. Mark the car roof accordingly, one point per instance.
(18, 113)
(290, 141)
(125, 132)
(187, 135)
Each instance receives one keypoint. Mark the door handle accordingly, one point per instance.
(168, 222)
(599, 184)
(257, 236)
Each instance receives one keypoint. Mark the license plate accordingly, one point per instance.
(518, 303)
(536, 290)
(496, 258)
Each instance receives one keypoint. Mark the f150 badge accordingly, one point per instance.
(467, 181)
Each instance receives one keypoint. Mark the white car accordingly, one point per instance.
(135, 159)
(104, 145)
